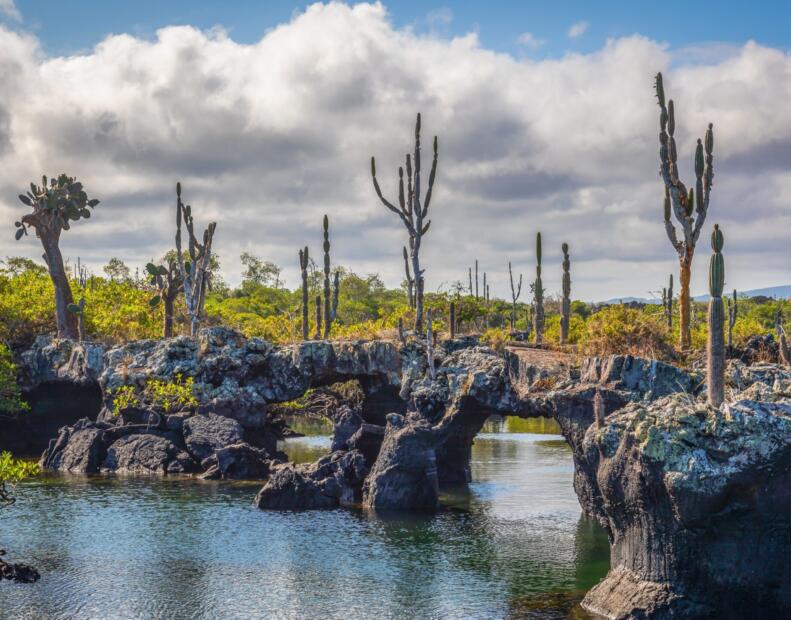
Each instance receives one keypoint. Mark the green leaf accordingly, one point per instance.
(154, 301)
(93, 203)
(19, 233)
(163, 270)
(85, 213)
(26, 200)
(74, 308)
(152, 269)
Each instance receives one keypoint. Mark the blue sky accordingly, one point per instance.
(499, 24)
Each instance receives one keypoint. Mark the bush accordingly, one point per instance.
(11, 401)
(165, 396)
(496, 338)
(623, 330)
(11, 472)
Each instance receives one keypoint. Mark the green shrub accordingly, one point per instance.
(13, 471)
(157, 394)
(622, 330)
(10, 396)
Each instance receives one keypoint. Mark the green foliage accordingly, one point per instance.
(10, 396)
(165, 396)
(620, 329)
(116, 269)
(496, 338)
(123, 397)
(13, 471)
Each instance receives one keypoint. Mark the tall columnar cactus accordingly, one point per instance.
(667, 302)
(169, 285)
(330, 302)
(452, 320)
(410, 281)
(515, 292)
(565, 307)
(715, 369)
(782, 341)
(194, 272)
(538, 295)
(470, 274)
(56, 206)
(318, 318)
(689, 207)
(733, 311)
(476, 279)
(412, 213)
(304, 261)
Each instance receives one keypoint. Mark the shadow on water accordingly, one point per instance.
(512, 544)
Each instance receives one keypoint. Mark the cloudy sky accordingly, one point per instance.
(268, 116)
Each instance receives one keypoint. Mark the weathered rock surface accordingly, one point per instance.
(239, 461)
(404, 476)
(651, 379)
(77, 449)
(20, 573)
(332, 481)
(205, 433)
(52, 360)
(697, 505)
(145, 454)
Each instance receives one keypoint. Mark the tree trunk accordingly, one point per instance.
(685, 335)
(66, 321)
(167, 331)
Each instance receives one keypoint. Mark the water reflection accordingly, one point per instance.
(512, 544)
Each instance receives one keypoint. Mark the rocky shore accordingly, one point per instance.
(695, 500)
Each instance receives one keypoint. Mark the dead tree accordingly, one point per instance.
(515, 292)
(412, 213)
(194, 268)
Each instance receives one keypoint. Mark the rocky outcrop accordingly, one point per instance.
(205, 433)
(239, 461)
(646, 378)
(20, 573)
(404, 476)
(146, 454)
(332, 481)
(52, 360)
(697, 505)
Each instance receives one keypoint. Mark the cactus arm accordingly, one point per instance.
(432, 175)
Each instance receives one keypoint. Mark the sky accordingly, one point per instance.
(268, 113)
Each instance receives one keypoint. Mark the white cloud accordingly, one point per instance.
(8, 8)
(268, 137)
(528, 39)
(577, 29)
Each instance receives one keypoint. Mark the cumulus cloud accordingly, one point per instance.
(528, 39)
(9, 9)
(577, 29)
(268, 137)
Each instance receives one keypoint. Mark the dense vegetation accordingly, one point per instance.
(118, 309)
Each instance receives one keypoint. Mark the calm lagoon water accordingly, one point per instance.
(513, 544)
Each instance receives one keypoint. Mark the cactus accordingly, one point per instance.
(538, 295)
(715, 368)
(432, 372)
(667, 302)
(56, 205)
(733, 311)
(476, 279)
(79, 311)
(452, 320)
(412, 213)
(410, 282)
(515, 292)
(470, 274)
(598, 408)
(195, 271)
(782, 341)
(169, 284)
(304, 261)
(401, 337)
(330, 304)
(681, 202)
(565, 307)
(318, 318)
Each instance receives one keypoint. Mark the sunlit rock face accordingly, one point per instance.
(697, 504)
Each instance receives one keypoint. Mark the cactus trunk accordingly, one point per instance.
(565, 310)
(685, 333)
(303, 265)
(538, 295)
(715, 367)
(452, 320)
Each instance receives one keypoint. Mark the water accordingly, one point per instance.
(511, 545)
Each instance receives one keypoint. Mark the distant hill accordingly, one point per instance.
(778, 292)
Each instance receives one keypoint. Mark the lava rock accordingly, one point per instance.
(145, 454)
(203, 434)
(239, 461)
(332, 481)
